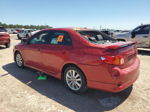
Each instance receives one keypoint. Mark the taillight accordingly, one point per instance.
(115, 60)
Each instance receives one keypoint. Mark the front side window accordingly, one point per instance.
(40, 38)
(142, 30)
(96, 37)
(51, 37)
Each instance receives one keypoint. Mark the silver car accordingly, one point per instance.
(24, 34)
(140, 34)
(11, 31)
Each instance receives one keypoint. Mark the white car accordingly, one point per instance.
(140, 34)
(24, 34)
(11, 31)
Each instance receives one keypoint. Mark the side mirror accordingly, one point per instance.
(24, 41)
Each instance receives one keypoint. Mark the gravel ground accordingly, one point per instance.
(20, 91)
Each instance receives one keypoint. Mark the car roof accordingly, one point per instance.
(145, 25)
(71, 29)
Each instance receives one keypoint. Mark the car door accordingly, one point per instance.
(141, 35)
(56, 51)
(32, 51)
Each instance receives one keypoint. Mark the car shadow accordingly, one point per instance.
(90, 101)
(144, 52)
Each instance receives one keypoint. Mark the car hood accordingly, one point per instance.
(123, 35)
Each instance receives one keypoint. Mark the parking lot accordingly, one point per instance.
(20, 91)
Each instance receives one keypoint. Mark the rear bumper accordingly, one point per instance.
(110, 87)
(3, 42)
(125, 79)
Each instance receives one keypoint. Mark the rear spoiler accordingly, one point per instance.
(120, 45)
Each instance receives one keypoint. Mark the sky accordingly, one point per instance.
(112, 14)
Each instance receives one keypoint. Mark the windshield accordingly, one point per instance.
(96, 37)
(21, 31)
(3, 30)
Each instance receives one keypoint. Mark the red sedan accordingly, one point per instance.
(4, 37)
(82, 58)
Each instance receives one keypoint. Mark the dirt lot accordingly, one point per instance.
(20, 91)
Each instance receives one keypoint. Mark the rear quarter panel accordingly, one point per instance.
(5, 38)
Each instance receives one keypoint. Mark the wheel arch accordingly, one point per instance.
(71, 64)
(15, 52)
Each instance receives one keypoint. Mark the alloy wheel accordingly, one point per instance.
(74, 80)
(19, 60)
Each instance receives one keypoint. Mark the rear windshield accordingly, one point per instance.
(96, 37)
(21, 31)
(3, 30)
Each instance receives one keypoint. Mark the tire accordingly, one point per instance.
(27, 36)
(74, 80)
(19, 60)
(18, 37)
(7, 45)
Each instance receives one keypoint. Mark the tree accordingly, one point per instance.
(24, 26)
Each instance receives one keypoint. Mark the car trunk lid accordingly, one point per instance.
(127, 50)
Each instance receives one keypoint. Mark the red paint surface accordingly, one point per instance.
(4, 38)
(51, 59)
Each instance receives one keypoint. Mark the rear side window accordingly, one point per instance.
(60, 38)
(96, 37)
(3, 30)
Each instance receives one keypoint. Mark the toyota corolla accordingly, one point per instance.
(82, 58)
